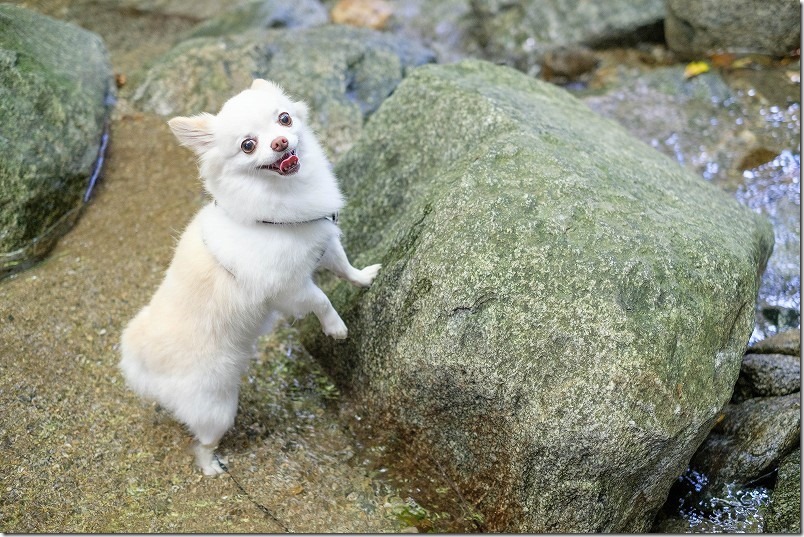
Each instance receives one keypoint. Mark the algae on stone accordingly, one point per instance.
(562, 311)
(54, 83)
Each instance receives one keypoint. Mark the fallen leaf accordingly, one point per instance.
(722, 59)
(694, 69)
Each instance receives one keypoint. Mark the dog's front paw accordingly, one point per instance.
(367, 275)
(336, 330)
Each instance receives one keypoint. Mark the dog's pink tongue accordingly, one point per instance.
(288, 163)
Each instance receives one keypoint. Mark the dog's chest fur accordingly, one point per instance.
(266, 260)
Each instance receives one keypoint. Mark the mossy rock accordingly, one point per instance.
(784, 515)
(343, 73)
(55, 80)
(562, 310)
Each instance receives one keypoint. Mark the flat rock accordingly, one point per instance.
(766, 375)
(788, 342)
(518, 33)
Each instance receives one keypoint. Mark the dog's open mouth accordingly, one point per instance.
(287, 164)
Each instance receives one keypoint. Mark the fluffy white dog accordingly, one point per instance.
(246, 258)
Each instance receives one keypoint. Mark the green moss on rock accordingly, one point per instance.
(562, 310)
(785, 511)
(54, 79)
(343, 73)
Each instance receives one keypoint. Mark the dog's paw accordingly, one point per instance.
(367, 275)
(214, 468)
(208, 461)
(336, 330)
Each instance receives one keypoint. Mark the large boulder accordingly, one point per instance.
(344, 73)
(562, 311)
(695, 28)
(55, 84)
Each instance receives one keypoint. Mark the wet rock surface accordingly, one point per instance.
(455, 227)
(55, 91)
(750, 439)
(785, 509)
(765, 375)
(519, 33)
(698, 27)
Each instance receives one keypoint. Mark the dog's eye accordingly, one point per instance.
(284, 119)
(248, 145)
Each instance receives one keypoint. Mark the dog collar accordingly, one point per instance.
(331, 217)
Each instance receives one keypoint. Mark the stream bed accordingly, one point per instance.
(316, 469)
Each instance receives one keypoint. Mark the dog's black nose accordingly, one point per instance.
(279, 144)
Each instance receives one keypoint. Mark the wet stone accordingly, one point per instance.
(695, 28)
(788, 342)
(519, 33)
(765, 375)
(785, 509)
(750, 439)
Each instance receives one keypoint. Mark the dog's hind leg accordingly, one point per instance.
(214, 418)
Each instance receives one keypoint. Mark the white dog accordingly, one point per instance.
(246, 258)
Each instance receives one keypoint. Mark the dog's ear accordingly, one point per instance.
(261, 84)
(194, 132)
(302, 110)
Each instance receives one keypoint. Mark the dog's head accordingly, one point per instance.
(257, 131)
(259, 158)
